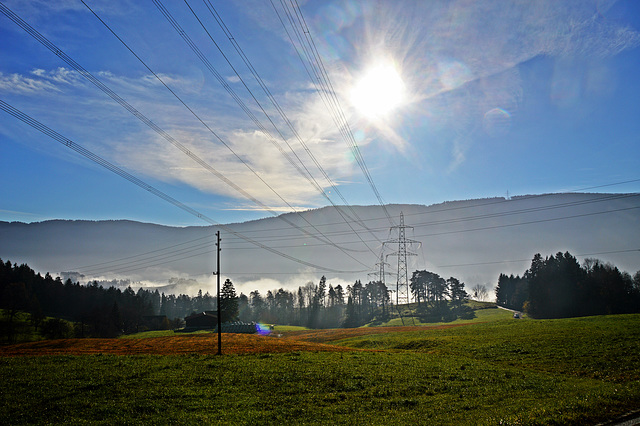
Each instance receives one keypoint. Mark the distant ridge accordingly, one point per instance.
(473, 240)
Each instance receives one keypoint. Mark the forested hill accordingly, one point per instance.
(474, 240)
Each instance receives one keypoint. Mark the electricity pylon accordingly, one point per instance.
(380, 273)
(402, 285)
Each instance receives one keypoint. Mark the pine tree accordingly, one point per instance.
(456, 291)
(228, 302)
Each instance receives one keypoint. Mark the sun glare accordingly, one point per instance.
(378, 92)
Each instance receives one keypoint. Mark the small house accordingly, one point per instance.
(201, 321)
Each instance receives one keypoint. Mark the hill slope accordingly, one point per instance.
(473, 240)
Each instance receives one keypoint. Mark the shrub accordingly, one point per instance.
(56, 328)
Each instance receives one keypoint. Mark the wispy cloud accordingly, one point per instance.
(283, 209)
(21, 84)
(459, 61)
(43, 8)
(13, 212)
(59, 76)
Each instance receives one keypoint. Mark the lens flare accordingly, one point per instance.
(496, 122)
(263, 329)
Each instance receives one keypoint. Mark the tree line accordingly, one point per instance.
(323, 305)
(92, 310)
(318, 305)
(97, 311)
(559, 287)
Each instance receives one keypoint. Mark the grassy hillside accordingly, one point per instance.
(573, 371)
(595, 347)
(481, 312)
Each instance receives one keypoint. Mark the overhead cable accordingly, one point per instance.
(497, 262)
(230, 246)
(324, 82)
(58, 52)
(93, 265)
(301, 167)
(120, 172)
(125, 262)
(249, 167)
(274, 102)
(611, 197)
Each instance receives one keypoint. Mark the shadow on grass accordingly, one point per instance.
(445, 314)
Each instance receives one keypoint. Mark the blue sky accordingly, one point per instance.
(478, 99)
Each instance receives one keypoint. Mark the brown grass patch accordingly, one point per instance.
(206, 344)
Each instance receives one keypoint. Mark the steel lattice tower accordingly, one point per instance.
(380, 274)
(402, 285)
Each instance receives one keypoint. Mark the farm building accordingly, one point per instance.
(209, 321)
(201, 321)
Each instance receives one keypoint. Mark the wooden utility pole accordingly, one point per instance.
(217, 273)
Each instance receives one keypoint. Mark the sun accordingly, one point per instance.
(379, 92)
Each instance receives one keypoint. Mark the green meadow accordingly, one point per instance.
(504, 371)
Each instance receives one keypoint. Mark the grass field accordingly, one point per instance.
(483, 312)
(500, 371)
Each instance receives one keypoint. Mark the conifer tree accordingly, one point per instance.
(228, 302)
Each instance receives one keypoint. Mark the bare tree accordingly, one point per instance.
(479, 292)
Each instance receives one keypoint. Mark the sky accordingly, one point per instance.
(254, 108)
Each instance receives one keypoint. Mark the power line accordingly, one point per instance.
(497, 262)
(527, 210)
(311, 245)
(475, 217)
(277, 106)
(115, 169)
(485, 216)
(34, 33)
(513, 199)
(354, 144)
(327, 94)
(344, 250)
(491, 203)
(280, 247)
(501, 214)
(506, 225)
(304, 173)
(150, 261)
(141, 254)
(512, 224)
(530, 222)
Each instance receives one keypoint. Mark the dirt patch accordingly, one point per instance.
(206, 344)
